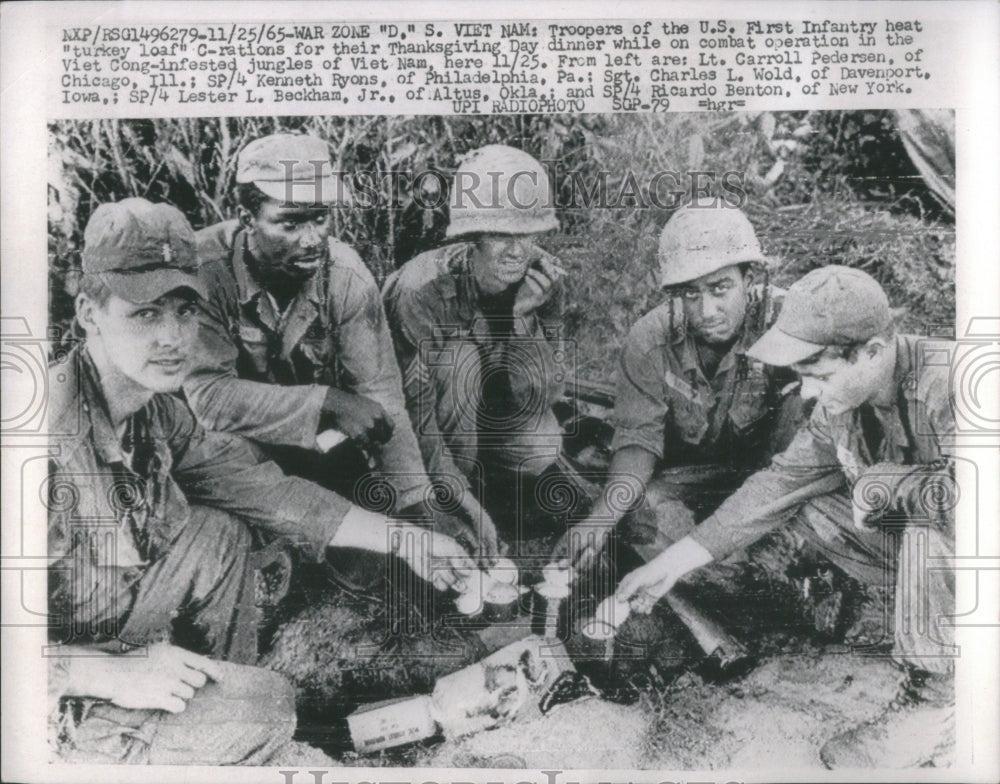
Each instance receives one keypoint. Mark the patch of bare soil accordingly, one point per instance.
(781, 713)
(683, 714)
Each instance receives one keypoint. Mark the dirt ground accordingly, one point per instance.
(800, 692)
(783, 710)
(798, 687)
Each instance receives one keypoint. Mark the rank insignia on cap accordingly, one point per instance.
(168, 254)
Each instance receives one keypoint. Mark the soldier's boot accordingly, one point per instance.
(916, 730)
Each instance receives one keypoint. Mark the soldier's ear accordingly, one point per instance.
(875, 346)
(246, 218)
(85, 311)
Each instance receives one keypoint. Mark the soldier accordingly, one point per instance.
(148, 522)
(882, 420)
(294, 339)
(477, 326)
(693, 414)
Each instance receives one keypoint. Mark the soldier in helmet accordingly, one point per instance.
(883, 420)
(477, 326)
(694, 415)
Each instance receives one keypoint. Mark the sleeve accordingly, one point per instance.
(223, 471)
(62, 501)
(738, 522)
(413, 321)
(926, 490)
(541, 334)
(366, 354)
(268, 413)
(641, 404)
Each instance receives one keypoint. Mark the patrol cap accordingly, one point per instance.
(141, 250)
(290, 168)
(830, 306)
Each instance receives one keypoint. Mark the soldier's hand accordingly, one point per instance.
(444, 523)
(580, 546)
(442, 564)
(160, 677)
(536, 288)
(642, 587)
(359, 417)
(488, 546)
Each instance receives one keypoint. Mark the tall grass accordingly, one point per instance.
(831, 187)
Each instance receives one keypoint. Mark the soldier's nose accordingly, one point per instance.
(311, 237)
(809, 389)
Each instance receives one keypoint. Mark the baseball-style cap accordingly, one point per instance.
(141, 250)
(291, 168)
(830, 306)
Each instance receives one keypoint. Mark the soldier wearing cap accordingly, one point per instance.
(477, 326)
(294, 341)
(148, 521)
(882, 422)
(694, 415)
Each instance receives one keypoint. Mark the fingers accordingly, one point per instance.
(642, 602)
(539, 281)
(183, 691)
(629, 584)
(171, 704)
(551, 267)
(201, 664)
(585, 546)
(192, 677)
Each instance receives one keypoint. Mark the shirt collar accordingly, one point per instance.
(106, 441)
(248, 288)
(460, 284)
(689, 354)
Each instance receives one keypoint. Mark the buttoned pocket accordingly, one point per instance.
(749, 407)
(690, 421)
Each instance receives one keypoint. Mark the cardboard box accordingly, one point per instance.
(505, 686)
(383, 725)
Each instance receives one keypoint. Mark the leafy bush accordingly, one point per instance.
(821, 188)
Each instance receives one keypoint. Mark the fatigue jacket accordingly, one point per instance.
(116, 502)
(915, 431)
(264, 374)
(434, 309)
(667, 406)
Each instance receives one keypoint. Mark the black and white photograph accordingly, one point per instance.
(533, 439)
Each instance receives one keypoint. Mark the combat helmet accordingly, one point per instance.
(500, 190)
(698, 241)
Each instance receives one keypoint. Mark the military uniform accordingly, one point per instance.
(147, 536)
(708, 434)
(912, 431)
(147, 531)
(264, 373)
(474, 376)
